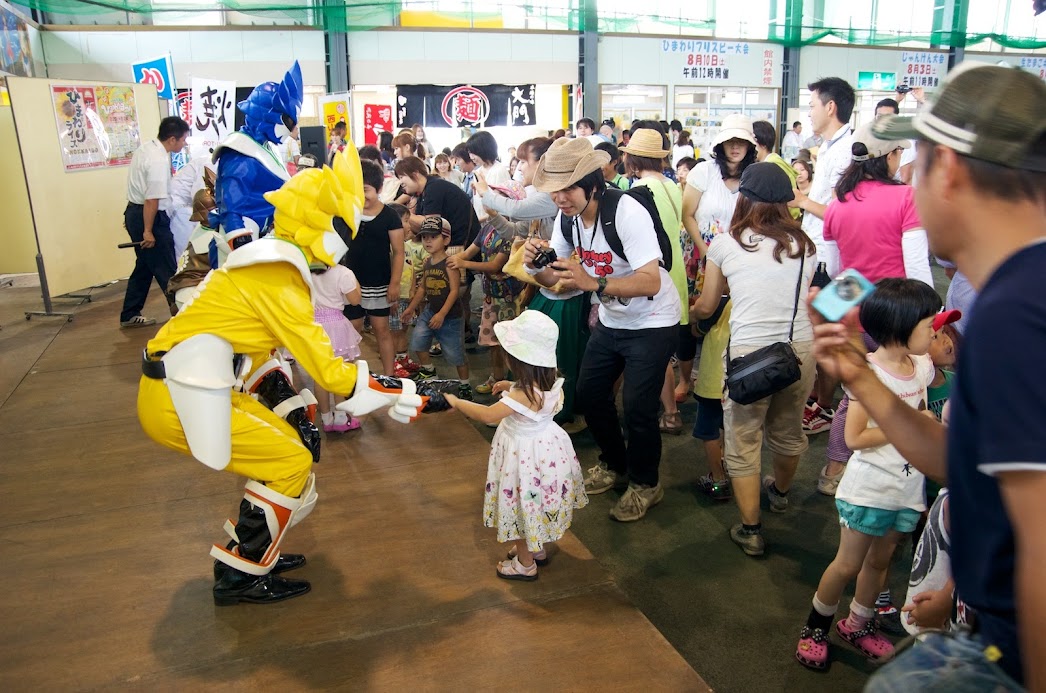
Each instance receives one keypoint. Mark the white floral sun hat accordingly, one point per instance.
(531, 338)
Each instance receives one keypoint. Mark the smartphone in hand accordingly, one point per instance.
(842, 293)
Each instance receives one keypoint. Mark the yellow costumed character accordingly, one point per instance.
(204, 394)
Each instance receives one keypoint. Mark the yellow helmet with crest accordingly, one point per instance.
(307, 204)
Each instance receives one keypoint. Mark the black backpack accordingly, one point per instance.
(608, 215)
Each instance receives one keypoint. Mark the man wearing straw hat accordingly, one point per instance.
(638, 312)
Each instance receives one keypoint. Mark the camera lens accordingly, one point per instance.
(849, 289)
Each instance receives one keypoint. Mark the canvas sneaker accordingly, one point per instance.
(752, 543)
(138, 321)
(636, 501)
(408, 364)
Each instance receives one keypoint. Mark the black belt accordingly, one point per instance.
(152, 367)
(134, 204)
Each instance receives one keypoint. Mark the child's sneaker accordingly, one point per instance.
(425, 373)
(828, 484)
(400, 372)
(408, 364)
(716, 490)
(890, 619)
(812, 650)
(465, 392)
(817, 419)
(435, 349)
(487, 387)
(870, 643)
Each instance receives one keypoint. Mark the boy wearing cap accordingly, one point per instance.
(981, 159)
(639, 310)
(440, 318)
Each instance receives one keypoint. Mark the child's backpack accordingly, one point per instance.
(608, 216)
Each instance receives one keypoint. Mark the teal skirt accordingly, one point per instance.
(571, 315)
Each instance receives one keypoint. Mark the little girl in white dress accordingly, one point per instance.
(534, 480)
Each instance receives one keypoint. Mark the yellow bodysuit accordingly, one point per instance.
(256, 309)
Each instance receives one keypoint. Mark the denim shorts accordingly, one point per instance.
(876, 522)
(709, 422)
(450, 335)
(954, 662)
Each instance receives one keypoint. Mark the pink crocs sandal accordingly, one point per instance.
(514, 570)
(867, 639)
(812, 650)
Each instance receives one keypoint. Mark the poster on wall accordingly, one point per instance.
(1034, 65)
(213, 111)
(336, 109)
(465, 105)
(922, 69)
(158, 72)
(722, 62)
(119, 118)
(16, 54)
(97, 126)
(377, 118)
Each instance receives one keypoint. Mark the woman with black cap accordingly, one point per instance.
(768, 263)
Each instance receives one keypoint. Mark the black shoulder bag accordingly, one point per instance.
(765, 371)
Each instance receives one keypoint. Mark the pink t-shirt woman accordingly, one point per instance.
(876, 231)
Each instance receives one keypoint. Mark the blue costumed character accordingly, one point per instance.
(248, 165)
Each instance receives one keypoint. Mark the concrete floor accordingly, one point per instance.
(106, 533)
(105, 540)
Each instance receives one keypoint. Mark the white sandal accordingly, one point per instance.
(514, 570)
(540, 557)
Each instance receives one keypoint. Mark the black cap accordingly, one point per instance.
(766, 182)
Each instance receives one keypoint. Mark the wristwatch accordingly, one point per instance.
(601, 285)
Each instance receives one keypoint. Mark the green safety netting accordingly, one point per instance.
(794, 30)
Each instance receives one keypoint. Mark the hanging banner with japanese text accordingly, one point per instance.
(711, 62)
(465, 105)
(213, 111)
(1034, 65)
(922, 69)
(97, 125)
(377, 118)
(157, 72)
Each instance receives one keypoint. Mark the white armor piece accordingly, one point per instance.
(281, 513)
(369, 396)
(199, 377)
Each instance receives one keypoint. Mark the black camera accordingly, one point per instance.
(544, 258)
(903, 88)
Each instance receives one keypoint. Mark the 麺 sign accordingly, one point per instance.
(465, 105)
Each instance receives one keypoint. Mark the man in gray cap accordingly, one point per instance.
(981, 165)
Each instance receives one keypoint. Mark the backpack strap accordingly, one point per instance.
(608, 219)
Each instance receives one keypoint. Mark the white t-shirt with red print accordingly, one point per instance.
(639, 241)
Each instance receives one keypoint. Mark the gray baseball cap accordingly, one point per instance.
(988, 112)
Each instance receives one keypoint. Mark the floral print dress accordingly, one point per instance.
(534, 480)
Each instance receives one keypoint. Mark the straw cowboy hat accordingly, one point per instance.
(566, 162)
(735, 127)
(647, 142)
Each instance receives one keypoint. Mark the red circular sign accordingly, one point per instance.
(465, 104)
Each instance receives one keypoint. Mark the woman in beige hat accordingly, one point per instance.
(644, 161)
(708, 207)
(638, 317)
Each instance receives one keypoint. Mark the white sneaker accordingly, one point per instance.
(826, 484)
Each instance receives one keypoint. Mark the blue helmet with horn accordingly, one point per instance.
(273, 108)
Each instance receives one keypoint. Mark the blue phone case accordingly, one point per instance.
(833, 304)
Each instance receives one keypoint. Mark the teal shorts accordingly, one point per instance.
(876, 522)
